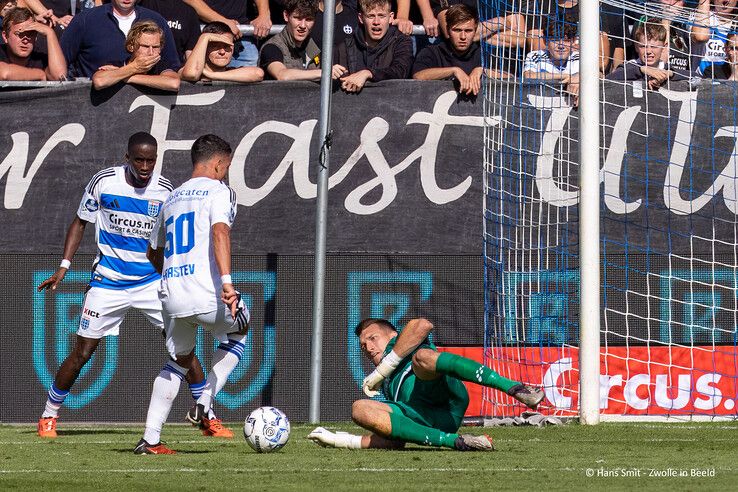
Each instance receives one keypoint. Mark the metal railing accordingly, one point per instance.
(248, 29)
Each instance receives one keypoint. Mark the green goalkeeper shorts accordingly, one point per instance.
(440, 404)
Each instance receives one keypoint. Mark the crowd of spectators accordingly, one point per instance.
(157, 43)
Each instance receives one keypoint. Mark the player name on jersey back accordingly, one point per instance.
(190, 281)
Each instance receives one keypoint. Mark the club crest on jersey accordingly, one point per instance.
(154, 207)
(347, 29)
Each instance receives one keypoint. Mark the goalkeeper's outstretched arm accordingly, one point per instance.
(412, 335)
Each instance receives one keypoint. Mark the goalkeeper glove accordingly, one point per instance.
(373, 381)
(327, 439)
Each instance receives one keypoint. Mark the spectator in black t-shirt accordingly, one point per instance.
(459, 58)
(144, 42)
(346, 24)
(504, 28)
(181, 19)
(378, 51)
(19, 59)
(212, 55)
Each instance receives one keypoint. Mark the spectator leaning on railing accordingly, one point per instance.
(292, 54)
(144, 42)
(233, 13)
(650, 39)
(378, 51)
(459, 58)
(210, 58)
(19, 59)
(97, 37)
(559, 61)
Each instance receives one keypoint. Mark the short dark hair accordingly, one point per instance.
(141, 138)
(208, 146)
(363, 324)
(460, 13)
(217, 27)
(16, 16)
(302, 8)
(558, 28)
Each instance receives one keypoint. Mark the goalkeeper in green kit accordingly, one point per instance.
(426, 397)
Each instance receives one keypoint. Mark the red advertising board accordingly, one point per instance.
(633, 380)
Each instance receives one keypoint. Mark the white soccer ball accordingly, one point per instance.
(266, 429)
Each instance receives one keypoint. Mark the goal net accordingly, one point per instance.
(668, 233)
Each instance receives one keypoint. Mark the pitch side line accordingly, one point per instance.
(310, 470)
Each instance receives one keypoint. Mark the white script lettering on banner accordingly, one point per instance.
(162, 108)
(14, 164)
(372, 134)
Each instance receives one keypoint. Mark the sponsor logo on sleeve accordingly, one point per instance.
(91, 205)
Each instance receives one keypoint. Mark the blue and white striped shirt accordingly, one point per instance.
(124, 217)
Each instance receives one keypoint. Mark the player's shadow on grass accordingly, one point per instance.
(179, 451)
(92, 432)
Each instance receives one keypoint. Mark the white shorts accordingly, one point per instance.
(103, 310)
(181, 333)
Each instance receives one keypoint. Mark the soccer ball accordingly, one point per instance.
(266, 429)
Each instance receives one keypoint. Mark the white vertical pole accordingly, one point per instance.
(589, 212)
(321, 212)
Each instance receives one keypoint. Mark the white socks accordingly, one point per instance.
(225, 360)
(54, 401)
(166, 387)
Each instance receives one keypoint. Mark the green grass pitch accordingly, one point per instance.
(678, 456)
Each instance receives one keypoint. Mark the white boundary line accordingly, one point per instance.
(72, 441)
(319, 470)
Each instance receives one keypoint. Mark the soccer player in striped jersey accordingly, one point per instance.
(123, 202)
(191, 246)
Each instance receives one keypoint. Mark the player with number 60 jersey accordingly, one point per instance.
(191, 246)
(190, 280)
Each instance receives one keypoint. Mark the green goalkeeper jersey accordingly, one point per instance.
(404, 387)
